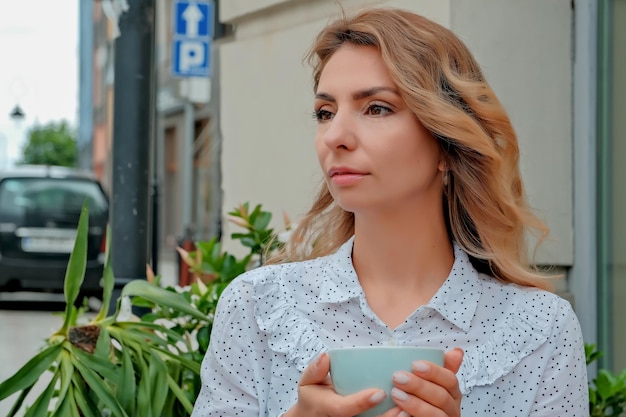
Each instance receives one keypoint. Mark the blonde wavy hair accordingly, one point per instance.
(487, 212)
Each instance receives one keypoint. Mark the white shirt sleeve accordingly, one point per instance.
(563, 389)
(235, 369)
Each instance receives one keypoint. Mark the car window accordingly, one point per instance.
(20, 195)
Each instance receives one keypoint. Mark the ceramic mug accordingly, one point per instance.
(353, 369)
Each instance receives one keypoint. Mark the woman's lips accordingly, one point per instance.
(345, 176)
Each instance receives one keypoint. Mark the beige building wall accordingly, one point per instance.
(525, 50)
(266, 97)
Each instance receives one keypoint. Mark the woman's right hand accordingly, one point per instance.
(317, 398)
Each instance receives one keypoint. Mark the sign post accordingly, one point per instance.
(193, 34)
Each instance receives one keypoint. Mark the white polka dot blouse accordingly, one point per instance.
(524, 353)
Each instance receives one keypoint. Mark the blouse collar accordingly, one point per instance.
(456, 300)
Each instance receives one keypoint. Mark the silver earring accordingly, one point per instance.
(445, 178)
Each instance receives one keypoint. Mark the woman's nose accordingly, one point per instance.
(340, 132)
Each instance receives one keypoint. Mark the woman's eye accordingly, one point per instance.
(322, 115)
(378, 110)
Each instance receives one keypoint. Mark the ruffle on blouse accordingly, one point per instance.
(289, 333)
(522, 333)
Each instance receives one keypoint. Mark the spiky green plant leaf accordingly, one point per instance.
(84, 402)
(161, 296)
(100, 388)
(30, 372)
(103, 345)
(180, 394)
(157, 371)
(42, 403)
(191, 365)
(63, 407)
(101, 365)
(20, 400)
(75, 273)
(127, 387)
(144, 402)
(143, 325)
(66, 369)
(72, 403)
(108, 280)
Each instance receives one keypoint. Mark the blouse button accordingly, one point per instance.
(392, 341)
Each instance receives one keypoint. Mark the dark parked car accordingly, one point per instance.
(39, 211)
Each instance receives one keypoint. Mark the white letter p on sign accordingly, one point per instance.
(192, 54)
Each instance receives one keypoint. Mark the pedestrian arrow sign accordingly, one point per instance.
(193, 34)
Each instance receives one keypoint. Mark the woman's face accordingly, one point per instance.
(374, 152)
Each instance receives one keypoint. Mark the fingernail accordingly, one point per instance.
(400, 378)
(399, 394)
(421, 366)
(403, 414)
(377, 397)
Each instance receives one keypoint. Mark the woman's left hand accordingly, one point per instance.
(430, 390)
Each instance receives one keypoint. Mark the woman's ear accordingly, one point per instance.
(443, 166)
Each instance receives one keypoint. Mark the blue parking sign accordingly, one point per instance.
(191, 58)
(193, 32)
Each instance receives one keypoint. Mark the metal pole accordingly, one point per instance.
(585, 158)
(155, 224)
(85, 119)
(215, 223)
(188, 169)
(604, 228)
(133, 133)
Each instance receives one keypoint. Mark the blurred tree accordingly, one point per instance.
(51, 144)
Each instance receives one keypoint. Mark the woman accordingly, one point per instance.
(416, 238)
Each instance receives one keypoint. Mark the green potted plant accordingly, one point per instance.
(607, 391)
(120, 365)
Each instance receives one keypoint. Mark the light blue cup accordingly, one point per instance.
(354, 369)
